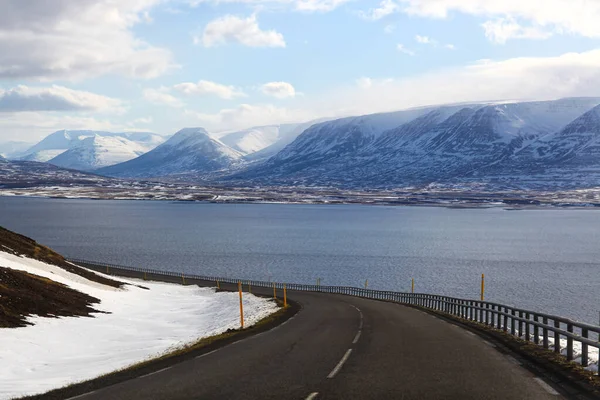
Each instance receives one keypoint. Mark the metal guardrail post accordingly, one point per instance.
(557, 337)
(569, 343)
(545, 332)
(584, 349)
(527, 328)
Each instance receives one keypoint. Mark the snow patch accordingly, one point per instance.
(142, 324)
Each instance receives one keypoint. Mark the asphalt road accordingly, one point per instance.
(341, 347)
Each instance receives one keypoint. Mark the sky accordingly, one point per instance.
(161, 65)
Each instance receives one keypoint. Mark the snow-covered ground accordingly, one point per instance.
(142, 324)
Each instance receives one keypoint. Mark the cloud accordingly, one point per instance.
(298, 5)
(33, 126)
(579, 17)
(385, 8)
(319, 5)
(161, 96)
(426, 40)
(389, 28)
(526, 78)
(55, 98)
(432, 42)
(503, 29)
(280, 90)
(144, 121)
(241, 30)
(402, 49)
(246, 115)
(364, 82)
(209, 88)
(65, 39)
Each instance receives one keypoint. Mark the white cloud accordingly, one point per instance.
(209, 88)
(319, 5)
(402, 49)
(385, 8)
(503, 29)
(144, 121)
(246, 115)
(161, 96)
(426, 40)
(298, 5)
(241, 30)
(55, 98)
(280, 90)
(65, 39)
(364, 82)
(389, 28)
(450, 46)
(557, 16)
(528, 78)
(33, 126)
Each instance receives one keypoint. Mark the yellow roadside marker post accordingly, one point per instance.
(241, 305)
(218, 286)
(145, 278)
(284, 296)
(482, 286)
(412, 289)
(249, 287)
(274, 291)
(366, 283)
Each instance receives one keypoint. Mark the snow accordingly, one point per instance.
(252, 140)
(99, 151)
(60, 142)
(142, 324)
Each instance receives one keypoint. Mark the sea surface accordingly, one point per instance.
(543, 260)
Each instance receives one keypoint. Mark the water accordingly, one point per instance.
(545, 260)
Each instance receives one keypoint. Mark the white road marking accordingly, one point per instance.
(209, 353)
(312, 396)
(81, 395)
(340, 365)
(155, 372)
(356, 337)
(546, 387)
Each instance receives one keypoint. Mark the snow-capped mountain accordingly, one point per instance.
(59, 142)
(98, 151)
(431, 145)
(190, 151)
(264, 141)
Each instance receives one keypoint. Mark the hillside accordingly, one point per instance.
(191, 151)
(23, 294)
(443, 145)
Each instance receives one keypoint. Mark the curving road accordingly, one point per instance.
(341, 347)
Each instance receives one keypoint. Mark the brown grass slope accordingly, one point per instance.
(18, 244)
(23, 294)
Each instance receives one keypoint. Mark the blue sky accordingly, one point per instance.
(161, 65)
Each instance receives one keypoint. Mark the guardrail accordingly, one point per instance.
(518, 322)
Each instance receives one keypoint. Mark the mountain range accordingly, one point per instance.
(543, 145)
(88, 150)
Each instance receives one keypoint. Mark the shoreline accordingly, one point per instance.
(430, 202)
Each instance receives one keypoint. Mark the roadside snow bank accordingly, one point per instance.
(142, 324)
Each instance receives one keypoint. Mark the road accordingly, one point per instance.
(342, 347)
